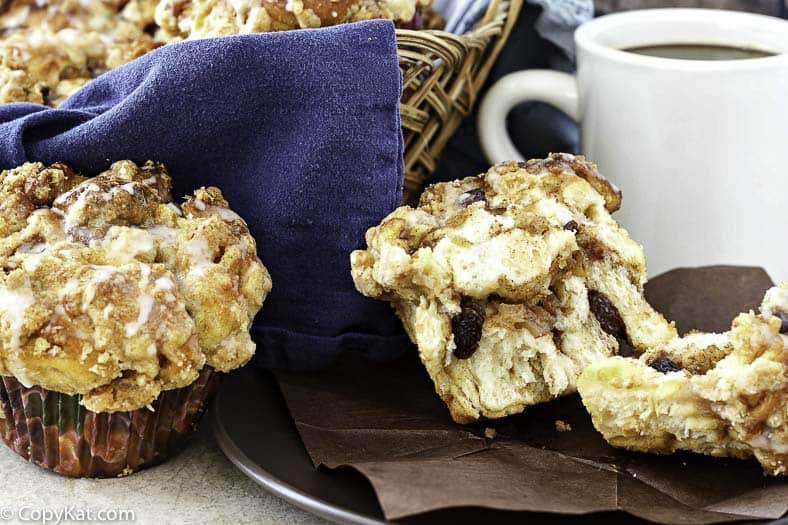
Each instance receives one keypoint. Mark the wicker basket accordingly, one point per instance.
(441, 76)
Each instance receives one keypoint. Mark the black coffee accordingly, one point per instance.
(699, 52)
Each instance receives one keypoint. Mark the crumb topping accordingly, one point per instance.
(51, 48)
(210, 18)
(112, 291)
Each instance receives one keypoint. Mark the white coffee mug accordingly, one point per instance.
(698, 147)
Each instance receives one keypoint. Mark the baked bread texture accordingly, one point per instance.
(112, 291)
(512, 282)
(50, 49)
(717, 394)
(212, 18)
(46, 68)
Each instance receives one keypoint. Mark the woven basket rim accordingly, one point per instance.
(494, 10)
(443, 73)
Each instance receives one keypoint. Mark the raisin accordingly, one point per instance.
(664, 365)
(45, 91)
(557, 337)
(571, 226)
(784, 326)
(625, 350)
(607, 314)
(467, 327)
(469, 197)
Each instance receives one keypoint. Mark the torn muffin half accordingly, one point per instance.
(512, 282)
(716, 394)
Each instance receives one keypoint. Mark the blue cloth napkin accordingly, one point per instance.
(299, 129)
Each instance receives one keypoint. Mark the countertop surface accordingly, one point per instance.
(198, 486)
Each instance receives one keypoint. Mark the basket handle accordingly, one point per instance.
(537, 85)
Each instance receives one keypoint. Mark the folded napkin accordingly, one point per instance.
(299, 129)
(460, 15)
(556, 23)
(560, 18)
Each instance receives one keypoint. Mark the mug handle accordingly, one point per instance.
(535, 85)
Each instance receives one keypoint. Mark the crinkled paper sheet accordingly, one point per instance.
(385, 420)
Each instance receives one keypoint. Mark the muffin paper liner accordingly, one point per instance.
(55, 432)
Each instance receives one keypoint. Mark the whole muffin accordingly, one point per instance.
(119, 310)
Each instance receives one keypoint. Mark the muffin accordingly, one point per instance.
(120, 312)
(212, 18)
(46, 68)
(510, 283)
(717, 394)
(51, 48)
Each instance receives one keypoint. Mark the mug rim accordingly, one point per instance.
(588, 35)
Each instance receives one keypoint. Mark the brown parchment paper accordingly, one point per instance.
(385, 420)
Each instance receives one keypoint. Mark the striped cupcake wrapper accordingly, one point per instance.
(55, 432)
